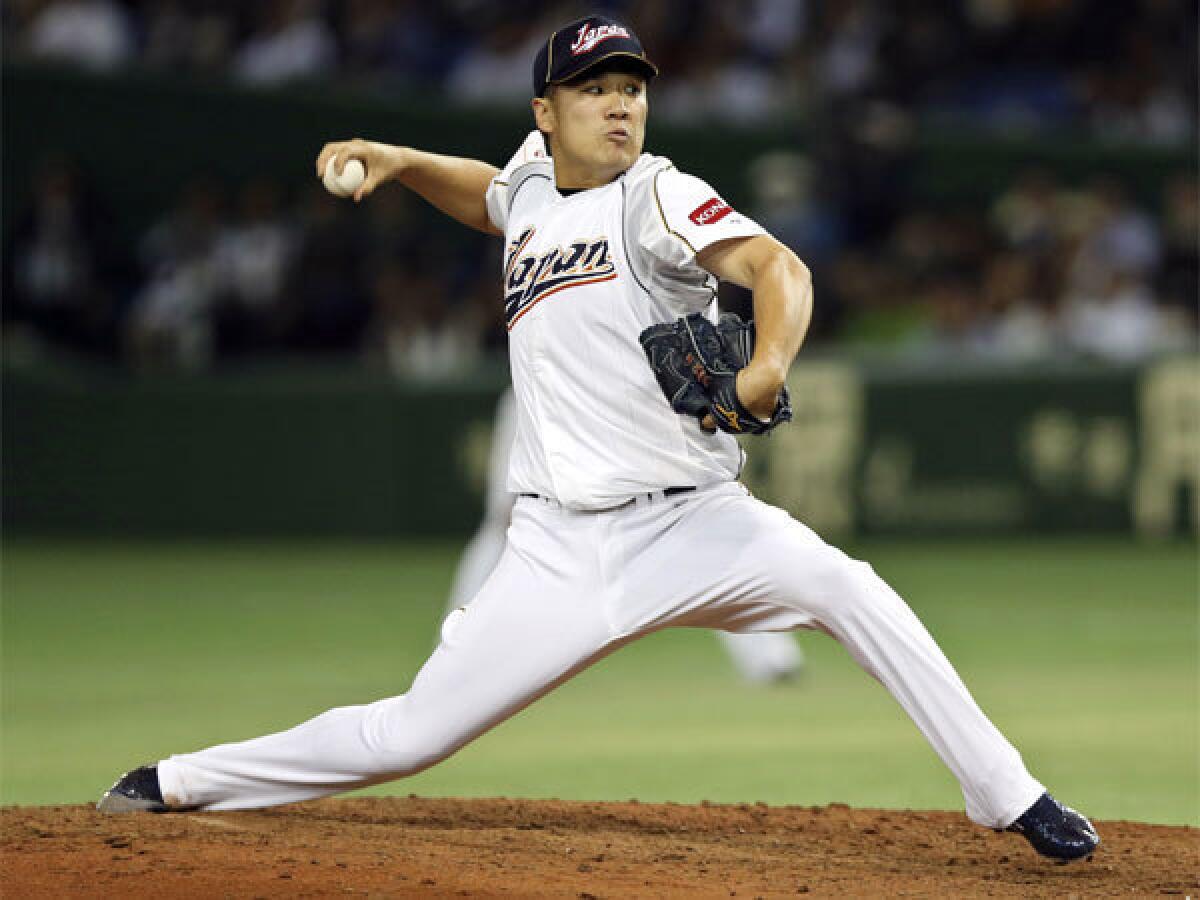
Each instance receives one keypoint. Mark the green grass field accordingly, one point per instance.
(1083, 652)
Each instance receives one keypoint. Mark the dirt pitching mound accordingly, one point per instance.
(548, 848)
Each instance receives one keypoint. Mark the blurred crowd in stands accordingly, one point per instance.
(237, 271)
(1126, 68)
(227, 275)
(1046, 272)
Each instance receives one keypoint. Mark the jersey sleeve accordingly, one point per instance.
(530, 159)
(682, 214)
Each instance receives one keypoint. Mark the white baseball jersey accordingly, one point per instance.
(584, 274)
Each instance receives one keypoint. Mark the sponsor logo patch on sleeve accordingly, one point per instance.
(710, 211)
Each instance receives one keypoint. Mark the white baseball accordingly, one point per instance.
(344, 185)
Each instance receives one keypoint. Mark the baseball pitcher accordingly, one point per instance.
(629, 390)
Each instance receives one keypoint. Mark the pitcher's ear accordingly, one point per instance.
(543, 115)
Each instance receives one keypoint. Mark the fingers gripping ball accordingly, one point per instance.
(351, 179)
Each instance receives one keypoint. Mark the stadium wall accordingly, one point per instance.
(873, 450)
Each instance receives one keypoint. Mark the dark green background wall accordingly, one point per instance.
(872, 450)
(261, 454)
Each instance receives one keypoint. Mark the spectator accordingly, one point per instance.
(847, 63)
(188, 35)
(418, 334)
(956, 325)
(790, 206)
(1138, 100)
(1118, 237)
(723, 79)
(1023, 318)
(292, 41)
(252, 257)
(95, 34)
(497, 68)
(170, 322)
(1116, 321)
(395, 40)
(787, 203)
(60, 270)
(1026, 215)
(773, 28)
(327, 304)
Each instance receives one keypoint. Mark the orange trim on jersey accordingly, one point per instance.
(561, 287)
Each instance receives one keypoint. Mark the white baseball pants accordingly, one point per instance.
(573, 587)
(759, 657)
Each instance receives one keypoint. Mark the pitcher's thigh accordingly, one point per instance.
(511, 645)
(785, 566)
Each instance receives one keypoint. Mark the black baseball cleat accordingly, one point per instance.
(1055, 830)
(135, 791)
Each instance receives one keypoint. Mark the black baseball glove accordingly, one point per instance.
(696, 364)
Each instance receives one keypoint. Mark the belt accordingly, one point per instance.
(636, 498)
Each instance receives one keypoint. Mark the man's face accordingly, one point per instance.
(597, 126)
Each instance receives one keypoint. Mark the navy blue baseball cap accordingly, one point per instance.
(586, 42)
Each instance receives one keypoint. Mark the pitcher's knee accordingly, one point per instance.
(410, 757)
(401, 743)
(412, 751)
(838, 586)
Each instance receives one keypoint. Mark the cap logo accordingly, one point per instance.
(591, 35)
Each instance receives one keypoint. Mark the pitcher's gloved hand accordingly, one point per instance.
(696, 364)
(673, 367)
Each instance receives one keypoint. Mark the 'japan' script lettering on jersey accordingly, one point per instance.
(530, 279)
(591, 35)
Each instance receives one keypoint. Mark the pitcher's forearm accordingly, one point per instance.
(782, 311)
(455, 185)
